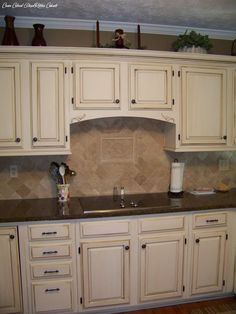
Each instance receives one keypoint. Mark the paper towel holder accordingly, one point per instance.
(172, 194)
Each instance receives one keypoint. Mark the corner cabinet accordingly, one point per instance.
(10, 287)
(11, 107)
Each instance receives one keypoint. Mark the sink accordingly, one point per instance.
(131, 202)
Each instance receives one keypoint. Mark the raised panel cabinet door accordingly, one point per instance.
(208, 261)
(97, 86)
(10, 291)
(203, 106)
(48, 111)
(106, 273)
(161, 267)
(10, 105)
(150, 86)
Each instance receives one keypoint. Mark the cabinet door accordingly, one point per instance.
(208, 261)
(203, 106)
(106, 273)
(48, 104)
(162, 267)
(9, 272)
(10, 104)
(97, 85)
(150, 86)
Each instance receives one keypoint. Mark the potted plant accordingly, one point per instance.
(192, 42)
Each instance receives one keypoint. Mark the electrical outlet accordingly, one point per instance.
(13, 171)
(223, 164)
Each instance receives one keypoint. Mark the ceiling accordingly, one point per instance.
(194, 14)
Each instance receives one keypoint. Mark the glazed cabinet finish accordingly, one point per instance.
(11, 111)
(106, 273)
(96, 85)
(203, 106)
(10, 287)
(48, 113)
(161, 268)
(150, 86)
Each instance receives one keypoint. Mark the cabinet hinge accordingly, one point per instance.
(66, 138)
(72, 100)
(178, 73)
(223, 283)
(185, 241)
(65, 70)
(179, 137)
(78, 250)
(173, 73)
(183, 288)
(173, 101)
(72, 70)
(226, 236)
(81, 301)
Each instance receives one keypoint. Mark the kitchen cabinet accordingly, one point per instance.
(151, 86)
(204, 109)
(96, 85)
(162, 250)
(48, 267)
(11, 107)
(10, 283)
(208, 256)
(48, 105)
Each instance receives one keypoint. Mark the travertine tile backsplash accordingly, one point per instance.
(114, 152)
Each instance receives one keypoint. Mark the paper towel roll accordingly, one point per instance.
(176, 178)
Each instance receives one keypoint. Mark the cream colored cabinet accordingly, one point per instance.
(106, 273)
(48, 267)
(96, 85)
(48, 105)
(10, 105)
(150, 86)
(204, 104)
(208, 256)
(162, 250)
(10, 287)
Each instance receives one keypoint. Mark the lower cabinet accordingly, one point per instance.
(10, 288)
(161, 267)
(106, 273)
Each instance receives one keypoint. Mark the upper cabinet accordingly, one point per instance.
(96, 85)
(48, 110)
(203, 105)
(151, 86)
(10, 117)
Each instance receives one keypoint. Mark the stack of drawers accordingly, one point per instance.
(50, 274)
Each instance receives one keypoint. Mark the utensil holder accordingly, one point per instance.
(63, 194)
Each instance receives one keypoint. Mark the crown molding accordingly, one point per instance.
(74, 24)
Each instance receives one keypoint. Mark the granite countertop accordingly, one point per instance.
(105, 206)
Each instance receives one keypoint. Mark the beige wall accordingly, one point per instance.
(75, 38)
(114, 152)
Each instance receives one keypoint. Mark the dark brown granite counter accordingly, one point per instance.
(105, 206)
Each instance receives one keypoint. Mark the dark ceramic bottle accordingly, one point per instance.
(38, 39)
(9, 37)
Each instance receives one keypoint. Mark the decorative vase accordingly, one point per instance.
(38, 39)
(193, 49)
(9, 37)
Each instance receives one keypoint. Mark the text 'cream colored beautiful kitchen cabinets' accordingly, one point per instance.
(125, 263)
(45, 89)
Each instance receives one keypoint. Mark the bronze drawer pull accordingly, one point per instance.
(51, 271)
(50, 252)
(212, 220)
(49, 233)
(52, 290)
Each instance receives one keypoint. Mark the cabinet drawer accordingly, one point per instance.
(208, 220)
(52, 296)
(161, 224)
(51, 231)
(49, 270)
(89, 229)
(50, 251)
